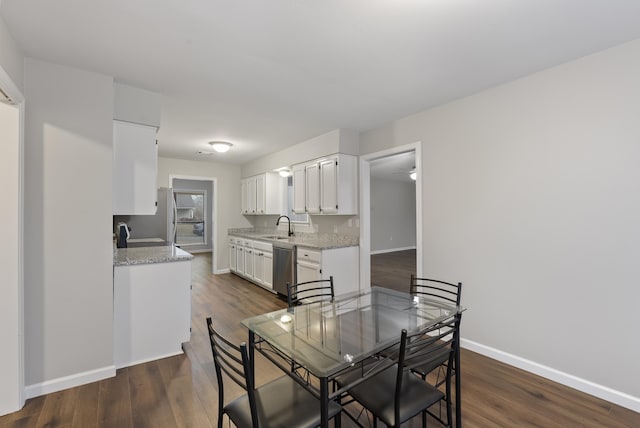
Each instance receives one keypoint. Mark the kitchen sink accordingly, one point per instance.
(276, 237)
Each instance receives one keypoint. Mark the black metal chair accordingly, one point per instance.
(446, 292)
(439, 291)
(310, 292)
(281, 403)
(391, 392)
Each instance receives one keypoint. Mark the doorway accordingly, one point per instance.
(196, 214)
(384, 176)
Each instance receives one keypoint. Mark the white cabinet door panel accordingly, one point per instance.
(135, 166)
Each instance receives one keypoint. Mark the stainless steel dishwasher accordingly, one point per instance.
(284, 266)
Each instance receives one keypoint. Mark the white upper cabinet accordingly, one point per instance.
(313, 188)
(135, 168)
(328, 185)
(262, 194)
(299, 189)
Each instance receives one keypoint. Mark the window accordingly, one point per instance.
(190, 210)
(296, 218)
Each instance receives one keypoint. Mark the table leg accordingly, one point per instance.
(324, 402)
(252, 341)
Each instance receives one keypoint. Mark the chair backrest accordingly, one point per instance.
(234, 362)
(436, 289)
(424, 348)
(310, 292)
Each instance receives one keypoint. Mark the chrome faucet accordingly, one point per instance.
(289, 220)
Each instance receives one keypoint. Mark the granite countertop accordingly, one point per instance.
(148, 255)
(321, 241)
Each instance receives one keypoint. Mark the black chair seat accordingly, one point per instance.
(415, 396)
(440, 358)
(281, 403)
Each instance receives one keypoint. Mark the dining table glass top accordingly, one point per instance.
(326, 337)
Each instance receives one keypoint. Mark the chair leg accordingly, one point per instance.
(424, 419)
(220, 415)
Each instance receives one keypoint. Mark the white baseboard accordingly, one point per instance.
(147, 360)
(219, 271)
(66, 382)
(392, 250)
(586, 386)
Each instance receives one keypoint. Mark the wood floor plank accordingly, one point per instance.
(114, 401)
(149, 402)
(181, 391)
(85, 414)
(58, 409)
(187, 409)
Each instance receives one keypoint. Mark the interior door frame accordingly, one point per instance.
(365, 208)
(15, 391)
(214, 210)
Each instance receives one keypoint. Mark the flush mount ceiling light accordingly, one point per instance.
(284, 173)
(220, 146)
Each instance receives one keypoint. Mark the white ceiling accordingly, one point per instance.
(268, 74)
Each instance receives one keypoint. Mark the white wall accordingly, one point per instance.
(68, 246)
(226, 202)
(531, 199)
(393, 215)
(136, 105)
(336, 141)
(11, 58)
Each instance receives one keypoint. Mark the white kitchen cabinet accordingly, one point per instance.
(341, 263)
(262, 194)
(239, 258)
(268, 269)
(248, 195)
(249, 261)
(135, 166)
(253, 260)
(308, 266)
(244, 207)
(327, 185)
(312, 171)
(152, 311)
(299, 175)
(263, 264)
(232, 254)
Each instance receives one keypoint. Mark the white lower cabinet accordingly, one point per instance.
(152, 311)
(248, 260)
(341, 263)
(239, 258)
(232, 254)
(253, 261)
(263, 264)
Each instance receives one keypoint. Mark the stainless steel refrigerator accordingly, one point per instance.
(161, 226)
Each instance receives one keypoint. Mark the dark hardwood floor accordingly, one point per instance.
(393, 270)
(181, 391)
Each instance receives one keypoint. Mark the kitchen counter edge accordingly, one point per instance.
(308, 240)
(149, 255)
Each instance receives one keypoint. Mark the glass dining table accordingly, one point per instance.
(324, 339)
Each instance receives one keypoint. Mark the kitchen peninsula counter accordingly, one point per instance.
(149, 255)
(151, 303)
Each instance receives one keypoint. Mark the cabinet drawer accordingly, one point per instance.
(309, 256)
(263, 246)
